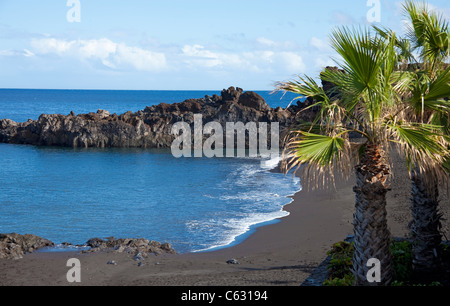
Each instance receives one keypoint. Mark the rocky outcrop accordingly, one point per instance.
(148, 128)
(14, 246)
(138, 247)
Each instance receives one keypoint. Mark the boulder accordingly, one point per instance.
(231, 94)
(253, 100)
(14, 246)
(139, 247)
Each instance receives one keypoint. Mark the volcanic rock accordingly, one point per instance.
(14, 246)
(148, 128)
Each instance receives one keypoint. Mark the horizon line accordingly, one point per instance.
(104, 89)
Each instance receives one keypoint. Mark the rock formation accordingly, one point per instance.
(14, 246)
(138, 247)
(148, 128)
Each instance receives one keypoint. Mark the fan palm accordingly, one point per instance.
(366, 103)
(430, 35)
(429, 87)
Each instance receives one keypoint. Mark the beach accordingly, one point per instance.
(280, 254)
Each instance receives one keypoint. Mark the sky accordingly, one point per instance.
(177, 44)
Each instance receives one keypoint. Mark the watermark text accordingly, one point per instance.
(74, 13)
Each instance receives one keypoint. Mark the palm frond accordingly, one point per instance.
(318, 156)
(305, 87)
(422, 145)
(428, 32)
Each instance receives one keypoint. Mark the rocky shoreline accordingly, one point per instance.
(148, 128)
(14, 246)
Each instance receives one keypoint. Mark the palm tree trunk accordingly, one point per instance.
(372, 236)
(425, 226)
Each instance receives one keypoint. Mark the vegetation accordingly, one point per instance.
(373, 99)
(424, 53)
(340, 265)
(341, 254)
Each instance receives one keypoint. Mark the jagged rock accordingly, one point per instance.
(141, 248)
(231, 94)
(103, 113)
(148, 128)
(329, 87)
(14, 246)
(253, 100)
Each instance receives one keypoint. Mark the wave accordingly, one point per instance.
(271, 163)
(239, 227)
(262, 205)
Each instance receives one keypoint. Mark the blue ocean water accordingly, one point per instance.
(72, 195)
(23, 104)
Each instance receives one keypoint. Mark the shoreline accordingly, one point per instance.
(280, 254)
(252, 228)
(273, 254)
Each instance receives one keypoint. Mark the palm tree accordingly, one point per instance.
(429, 37)
(367, 103)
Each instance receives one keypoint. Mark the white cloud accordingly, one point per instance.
(25, 52)
(269, 57)
(199, 56)
(140, 59)
(254, 61)
(324, 61)
(109, 53)
(320, 44)
(266, 42)
(52, 45)
(292, 62)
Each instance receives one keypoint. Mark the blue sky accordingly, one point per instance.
(175, 44)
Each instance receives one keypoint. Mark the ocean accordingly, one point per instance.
(72, 195)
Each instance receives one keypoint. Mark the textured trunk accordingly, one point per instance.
(425, 226)
(372, 236)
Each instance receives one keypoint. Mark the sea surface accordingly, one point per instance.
(72, 195)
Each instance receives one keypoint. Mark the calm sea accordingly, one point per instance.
(72, 195)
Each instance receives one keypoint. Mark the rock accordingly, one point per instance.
(328, 87)
(112, 262)
(148, 128)
(103, 114)
(232, 262)
(14, 246)
(253, 100)
(141, 247)
(138, 257)
(96, 243)
(231, 94)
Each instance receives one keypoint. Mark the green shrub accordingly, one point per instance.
(401, 252)
(340, 265)
(347, 280)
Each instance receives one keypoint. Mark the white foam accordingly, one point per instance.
(232, 228)
(240, 226)
(271, 163)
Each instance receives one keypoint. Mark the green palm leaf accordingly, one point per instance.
(318, 149)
